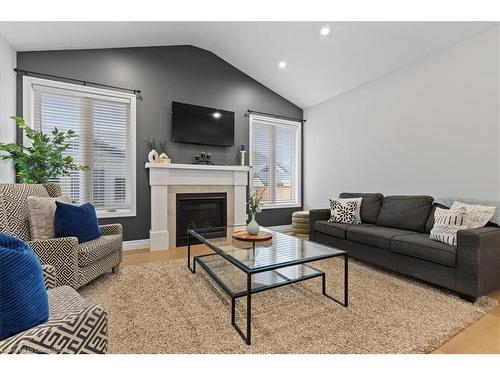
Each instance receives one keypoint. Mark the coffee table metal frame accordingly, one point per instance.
(250, 272)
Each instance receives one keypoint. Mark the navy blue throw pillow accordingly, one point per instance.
(24, 302)
(76, 221)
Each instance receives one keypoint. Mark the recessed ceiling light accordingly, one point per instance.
(325, 31)
(216, 114)
(282, 64)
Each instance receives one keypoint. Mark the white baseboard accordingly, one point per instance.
(136, 244)
(144, 244)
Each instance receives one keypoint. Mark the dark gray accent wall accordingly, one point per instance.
(164, 74)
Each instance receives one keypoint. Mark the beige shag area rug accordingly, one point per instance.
(163, 308)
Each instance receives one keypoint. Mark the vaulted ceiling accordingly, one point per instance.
(318, 67)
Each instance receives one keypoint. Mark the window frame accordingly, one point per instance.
(29, 116)
(298, 147)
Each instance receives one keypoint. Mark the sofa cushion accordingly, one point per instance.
(23, 298)
(374, 235)
(76, 221)
(370, 206)
(409, 212)
(65, 299)
(447, 224)
(91, 251)
(430, 220)
(421, 246)
(335, 229)
(345, 210)
(477, 215)
(41, 211)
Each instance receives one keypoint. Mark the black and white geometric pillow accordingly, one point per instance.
(477, 215)
(345, 210)
(446, 225)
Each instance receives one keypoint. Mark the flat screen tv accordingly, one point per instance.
(202, 125)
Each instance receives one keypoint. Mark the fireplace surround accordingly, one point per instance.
(169, 180)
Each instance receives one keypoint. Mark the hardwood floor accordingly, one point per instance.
(480, 337)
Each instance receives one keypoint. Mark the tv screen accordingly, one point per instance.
(202, 125)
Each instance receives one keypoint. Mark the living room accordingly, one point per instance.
(275, 186)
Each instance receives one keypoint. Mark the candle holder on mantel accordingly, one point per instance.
(242, 155)
(203, 158)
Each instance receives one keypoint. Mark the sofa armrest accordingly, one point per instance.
(49, 276)
(75, 332)
(60, 253)
(316, 215)
(478, 260)
(110, 229)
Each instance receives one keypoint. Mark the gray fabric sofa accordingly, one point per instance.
(394, 235)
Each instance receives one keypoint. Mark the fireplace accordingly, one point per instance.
(200, 210)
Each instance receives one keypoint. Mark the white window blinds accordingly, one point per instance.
(105, 126)
(275, 161)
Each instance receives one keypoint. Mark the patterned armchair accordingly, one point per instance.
(76, 264)
(74, 326)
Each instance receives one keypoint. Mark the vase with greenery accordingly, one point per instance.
(158, 151)
(43, 159)
(255, 207)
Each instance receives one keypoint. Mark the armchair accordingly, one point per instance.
(76, 264)
(74, 326)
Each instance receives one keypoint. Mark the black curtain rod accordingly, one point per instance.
(249, 112)
(84, 83)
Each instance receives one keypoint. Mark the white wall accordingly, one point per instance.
(431, 127)
(7, 104)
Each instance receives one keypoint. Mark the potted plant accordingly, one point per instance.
(254, 206)
(43, 159)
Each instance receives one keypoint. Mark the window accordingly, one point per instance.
(105, 123)
(275, 161)
(120, 189)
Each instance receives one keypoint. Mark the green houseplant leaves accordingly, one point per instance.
(44, 159)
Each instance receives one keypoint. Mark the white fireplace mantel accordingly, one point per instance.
(163, 176)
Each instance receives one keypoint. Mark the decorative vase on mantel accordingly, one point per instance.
(253, 226)
(153, 156)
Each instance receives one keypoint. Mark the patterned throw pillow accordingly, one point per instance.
(477, 216)
(345, 210)
(446, 225)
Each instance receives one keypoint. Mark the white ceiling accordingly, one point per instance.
(318, 67)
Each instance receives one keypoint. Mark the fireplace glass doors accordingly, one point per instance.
(201, 210)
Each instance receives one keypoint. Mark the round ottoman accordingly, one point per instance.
(300, 222)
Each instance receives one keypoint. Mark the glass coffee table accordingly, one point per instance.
(245, 268)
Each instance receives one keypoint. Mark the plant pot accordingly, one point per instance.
(253, 226)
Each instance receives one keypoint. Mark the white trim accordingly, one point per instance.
(136, 245)
(28, 80)
(133, 153)
(164, 177)
(28, 115)
(287, 123)
(273, 206)
(197, 166)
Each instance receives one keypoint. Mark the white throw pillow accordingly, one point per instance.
(477, 216)
(41, 212)
(345, 210)
(446, 225)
